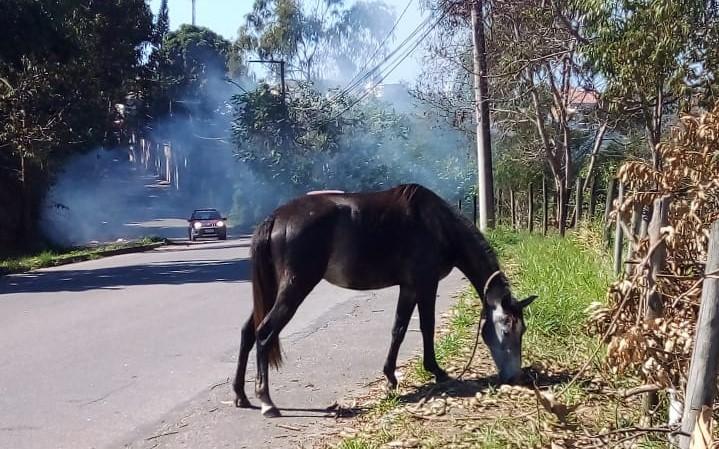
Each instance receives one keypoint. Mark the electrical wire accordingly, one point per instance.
(399, 60)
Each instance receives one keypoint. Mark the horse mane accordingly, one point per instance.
(450, 225)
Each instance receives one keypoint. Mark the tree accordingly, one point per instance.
(162, 24)
(64, 65)
(643, 50)
(316, 42)
(190, 63)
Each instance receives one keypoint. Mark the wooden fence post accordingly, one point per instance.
(611, 190)
(653, 304)
(701, 385)
(512, 209)
(498, 204)
(545, 207)
(530, 199)
(579, 199)
(618, 236)
(632, 246)
(593, 198)
(474, 209)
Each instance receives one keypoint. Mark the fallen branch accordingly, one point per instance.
(629, 392)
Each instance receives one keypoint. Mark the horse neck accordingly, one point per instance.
(477, 260)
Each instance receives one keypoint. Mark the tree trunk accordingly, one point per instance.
(481, 99)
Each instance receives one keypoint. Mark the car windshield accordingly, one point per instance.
(205, 215)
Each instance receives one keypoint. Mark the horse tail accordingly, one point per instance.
(264, 284)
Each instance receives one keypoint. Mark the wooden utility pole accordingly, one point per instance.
(701, 385)
(481, 99)
(282, 72)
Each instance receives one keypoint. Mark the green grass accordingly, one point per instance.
(48, 258)
(567, 275)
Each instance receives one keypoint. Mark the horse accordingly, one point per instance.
(406, 236)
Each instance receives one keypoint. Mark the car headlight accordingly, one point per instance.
(220, 224)
(197, 225)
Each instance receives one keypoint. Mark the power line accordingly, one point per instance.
(391, 69)
(353, 86)
(381, 44)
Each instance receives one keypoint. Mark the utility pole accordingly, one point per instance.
(282, 71)
(193, 12)
(485, 179)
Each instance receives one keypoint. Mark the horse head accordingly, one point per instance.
(502, 330)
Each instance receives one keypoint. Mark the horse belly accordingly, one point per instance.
(357, 276)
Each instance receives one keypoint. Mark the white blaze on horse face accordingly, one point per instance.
(504, 341)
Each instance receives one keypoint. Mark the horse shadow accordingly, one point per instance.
(454, 388)
(465, 388)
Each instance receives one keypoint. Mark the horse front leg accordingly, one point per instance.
(426, 309)
(405, 306)
(247, 340)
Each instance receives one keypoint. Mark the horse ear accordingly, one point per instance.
(527, 301)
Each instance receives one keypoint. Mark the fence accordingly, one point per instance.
(531, 209)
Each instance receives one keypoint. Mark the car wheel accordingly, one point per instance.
(222, 237)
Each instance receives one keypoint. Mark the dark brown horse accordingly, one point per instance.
(406, 236)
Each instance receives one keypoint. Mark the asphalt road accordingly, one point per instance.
(137, 351)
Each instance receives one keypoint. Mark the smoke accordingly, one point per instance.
(186, 162)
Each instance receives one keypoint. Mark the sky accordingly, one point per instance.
(225, 17)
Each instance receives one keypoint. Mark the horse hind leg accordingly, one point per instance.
(247, 340)
(289, 298)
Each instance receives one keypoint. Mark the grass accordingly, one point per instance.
(49, 258)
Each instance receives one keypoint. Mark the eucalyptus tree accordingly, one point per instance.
(318, 39)
(648, 53)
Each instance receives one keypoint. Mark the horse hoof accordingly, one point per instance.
(442, 377)
(270, 411)
(242, 403)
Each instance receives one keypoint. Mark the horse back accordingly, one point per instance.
(361, 241)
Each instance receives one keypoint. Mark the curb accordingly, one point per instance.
(85, 257)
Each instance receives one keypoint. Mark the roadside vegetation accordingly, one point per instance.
(555, 409)
(61, 256)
